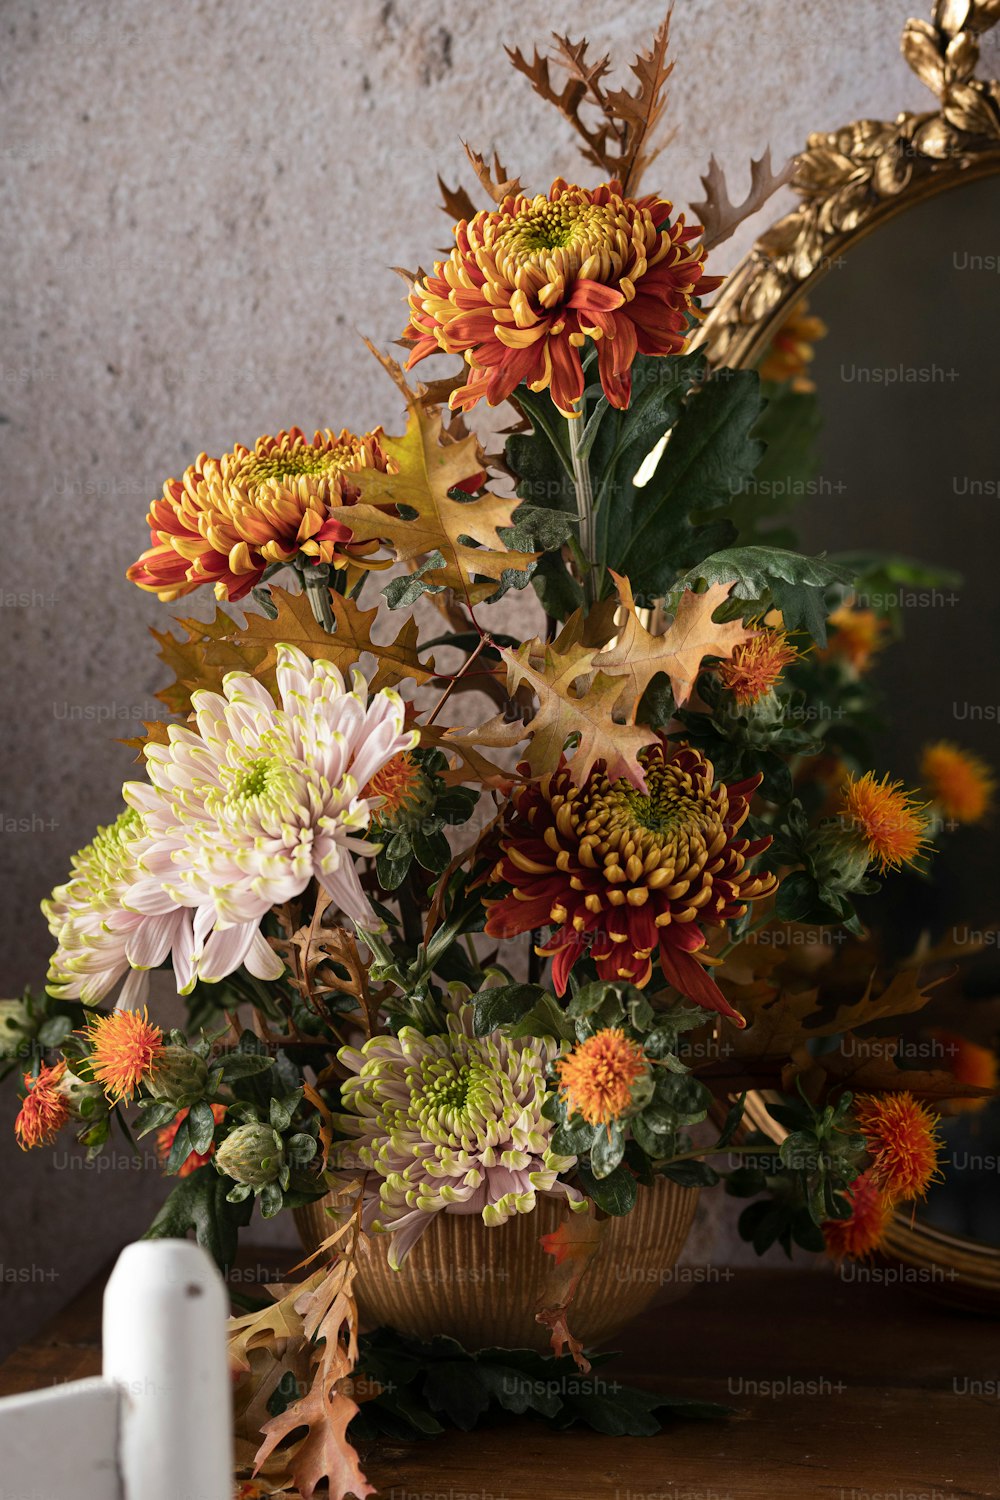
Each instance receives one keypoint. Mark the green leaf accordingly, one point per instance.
(456, 1389)
(537, 528)
(501, 1004)
(154, 1115)
(607, 1149)
(615, 1194)
(233, 1065)
(796, 584)
(711, 453)
(546, 1018)
(199, 1203)
(400, 593)
(691, 1174)
(201, 1126)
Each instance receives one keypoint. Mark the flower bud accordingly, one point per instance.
(15, 1026)
(178, 1075)
(252, 1154)
(85, 1101)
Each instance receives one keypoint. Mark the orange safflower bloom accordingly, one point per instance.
(970, 1063)
(597, 1076)
(195, 1159)
(124, 1048)
(887, 821)
(857, 635)
(901, 1140)
(862, 1234)
(44, 1110)
(400, 785)
(756, 665)
(228, 518)
(960, 783)
(529, 282)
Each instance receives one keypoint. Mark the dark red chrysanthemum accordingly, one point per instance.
(622, 873)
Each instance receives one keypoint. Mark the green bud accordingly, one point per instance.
(87, 1101)
(252, 1154)
(841, 860)
(15, 1026)
(178, 1075)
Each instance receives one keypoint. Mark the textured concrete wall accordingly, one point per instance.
(200, 203)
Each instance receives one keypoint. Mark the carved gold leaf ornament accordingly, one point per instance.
(851, 179)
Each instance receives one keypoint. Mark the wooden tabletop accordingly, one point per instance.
(844, 1391)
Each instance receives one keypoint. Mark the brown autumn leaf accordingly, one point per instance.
(719, 217)
(187, 657)
(455, 202)
(574, 699)
(636, 656)
(463, 536)
(572, 1247)
(494, 179)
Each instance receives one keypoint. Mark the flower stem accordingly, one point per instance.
(584, 507)
(317, 590)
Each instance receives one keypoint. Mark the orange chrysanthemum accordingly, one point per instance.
(230, 517)
(857, 635)
(623, 874)
(44, 1110)
(792, 351)
(756, 665)
(529, 282)
(862, 1234)
(971, 1064)
(124, 1047)
(399, 783)
(597, 1076)
(165, 1139)
(960, 784)
(901, 1140)
(888, 822)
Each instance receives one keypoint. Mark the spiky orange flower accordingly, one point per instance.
(970, 1063)
(165, 1139)
(400, 784)
(124, 1048)
(623, 873)
(756, 665)
(44, 1110)
(885, 819)
(529, 282)
(960, 784)
(597, 1076)
(792, 351)
(229, 517)
(900, 1138)
(857, 635)
(862, 1234)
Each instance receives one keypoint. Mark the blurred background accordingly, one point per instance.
(201, 204)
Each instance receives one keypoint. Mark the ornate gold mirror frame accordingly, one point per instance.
(850, 181)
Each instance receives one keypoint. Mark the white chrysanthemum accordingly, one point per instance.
(247, 808)
(450, 1123)
(98, 939)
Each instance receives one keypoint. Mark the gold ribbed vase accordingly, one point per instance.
(481, 1286)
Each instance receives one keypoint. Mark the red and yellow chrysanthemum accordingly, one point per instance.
(901, 1138)
(960, 784)
(792, 350)
(124, 1048)
(885, 819)
(529, 282)
(622, 874)
(756, 665)
(228, 518)
(44, 1109)
(857, 635)
(862, 1234)
(165, 1139)
(596, 1078)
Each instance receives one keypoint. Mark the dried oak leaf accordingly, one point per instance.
(572, 1247)
(719, 217)
(494, 179)
(459, 539)
(692, 635)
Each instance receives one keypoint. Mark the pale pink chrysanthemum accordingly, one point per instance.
(259, 798)
(98, 939)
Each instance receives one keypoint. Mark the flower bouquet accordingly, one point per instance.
(506, 978)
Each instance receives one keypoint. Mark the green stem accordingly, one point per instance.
(318, 593)
(584, 507)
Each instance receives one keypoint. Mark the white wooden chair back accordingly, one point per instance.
(157, 1425)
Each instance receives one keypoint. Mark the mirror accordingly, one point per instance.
(884, 344)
